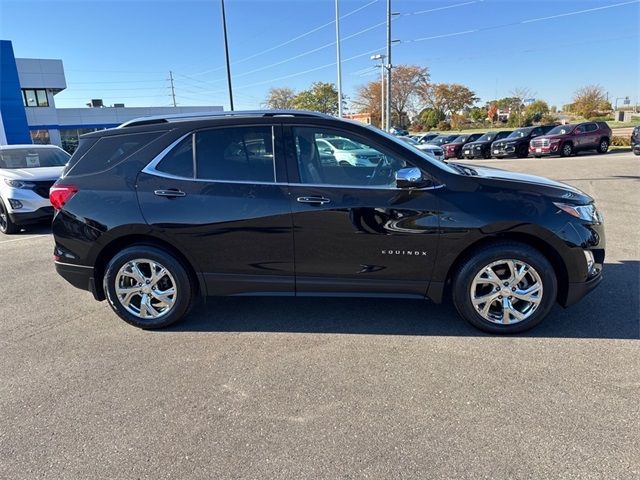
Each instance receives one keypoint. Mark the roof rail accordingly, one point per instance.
(183, 117)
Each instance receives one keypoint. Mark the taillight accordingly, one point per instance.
(60, 194)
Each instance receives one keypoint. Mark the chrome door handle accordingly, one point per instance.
(170, 193)
(313, 200)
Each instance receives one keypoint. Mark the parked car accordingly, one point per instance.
(26, 174)
(454, 149)
(425, 137)
(565, 140)
(517, 143)
(346, 152)
(433, 150)
(635, 140)
(398, 131)
(481, 148)
(443, 139)
(162, 210)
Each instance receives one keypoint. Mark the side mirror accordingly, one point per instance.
(409, 178)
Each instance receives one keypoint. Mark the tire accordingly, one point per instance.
(540, 271)
(6, 225)
(523, 152)
(144, 256)
(538, 156)
(566, 150)
(344, 163)
(486, 155)
(603, 146)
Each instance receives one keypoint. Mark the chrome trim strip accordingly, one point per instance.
(71, 265)
(151, 166)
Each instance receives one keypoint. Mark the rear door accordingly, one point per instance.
(591, 135)
(218, 195)
(354, 231)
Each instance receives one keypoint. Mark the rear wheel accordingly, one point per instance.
(566, 150)
(505, 288)
(603, 147)
(6, 225)
(148, 287)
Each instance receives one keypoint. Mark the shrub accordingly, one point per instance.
(443, 126)
(620, 141)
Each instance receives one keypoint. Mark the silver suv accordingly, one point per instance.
(26, 174)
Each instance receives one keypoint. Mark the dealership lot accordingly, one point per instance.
(326, 388)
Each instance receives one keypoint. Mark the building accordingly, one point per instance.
(28, 112)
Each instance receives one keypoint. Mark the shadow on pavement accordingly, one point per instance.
(611, 311)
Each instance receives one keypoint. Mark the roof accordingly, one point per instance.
(26, 145)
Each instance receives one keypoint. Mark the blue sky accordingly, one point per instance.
(122, 51)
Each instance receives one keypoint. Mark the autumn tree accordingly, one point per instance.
(448, 98)
(368, 99)
(280, 98)
(590, 101)
(321, 97)
(537, 110)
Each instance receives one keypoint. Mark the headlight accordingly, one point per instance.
(583, 212)
(18, 183)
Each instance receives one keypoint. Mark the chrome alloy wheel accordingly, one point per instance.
(145, 288)
(506, 291)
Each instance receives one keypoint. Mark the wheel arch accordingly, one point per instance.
(545, 248)
(120, 243)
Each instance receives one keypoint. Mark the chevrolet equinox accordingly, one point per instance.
(162, 210)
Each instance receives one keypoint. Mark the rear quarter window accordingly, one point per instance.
(107, 152)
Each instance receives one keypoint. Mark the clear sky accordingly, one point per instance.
(122, 51)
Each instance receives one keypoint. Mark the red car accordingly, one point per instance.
(565, 140)
(454, 149)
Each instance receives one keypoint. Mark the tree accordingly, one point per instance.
(280, 98)
(321, 97)
(458, 122)
(590, 101)
(449, 98)
(492, 112)
(368, 99)
(478, 114)
(537, 110)
(430, 117)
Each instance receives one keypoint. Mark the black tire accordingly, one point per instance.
(474, 263)
(185, 285)
(538, 156)
(523, 152)
(6, 225)
(486, 155)
(566, 150)
(603, 146)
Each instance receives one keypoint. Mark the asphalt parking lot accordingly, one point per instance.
(326, 388)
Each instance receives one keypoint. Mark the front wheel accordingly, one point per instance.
(148, 287)
(567, 150)
(6, 225)
(505, 288)
(603, 147)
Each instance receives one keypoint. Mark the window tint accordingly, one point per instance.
(109, 151)
(32, 157)
(236, 154)
(179, 161)
(591, 127)
(361, 166)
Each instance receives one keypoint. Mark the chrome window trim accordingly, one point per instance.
(151, 166)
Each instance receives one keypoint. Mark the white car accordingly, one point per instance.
(432, 150)
(26, 174)
(347, 152)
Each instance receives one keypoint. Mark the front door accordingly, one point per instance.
(216, 197)
(354, 231)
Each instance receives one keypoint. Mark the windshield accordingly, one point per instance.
(344, 144)
(409, 140)
(520, 133)
(442, 139)
(439, 164)
(487, 137)
(33, 158)
(560, 130)
(462, 139)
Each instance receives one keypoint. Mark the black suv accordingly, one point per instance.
(160, 211)
(481, 148)
(517, 143)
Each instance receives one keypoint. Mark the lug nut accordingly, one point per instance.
(513, 289)
(500, 296)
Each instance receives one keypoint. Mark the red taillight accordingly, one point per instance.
(60, 194)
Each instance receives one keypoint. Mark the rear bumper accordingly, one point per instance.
(39, 215)
(79, 276)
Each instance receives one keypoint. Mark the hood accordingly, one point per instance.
(570, 193)
(552, 137)
(32, 174)
(428, 146)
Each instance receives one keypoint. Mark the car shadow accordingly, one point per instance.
(611, 311)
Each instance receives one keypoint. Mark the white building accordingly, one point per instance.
(28, 112)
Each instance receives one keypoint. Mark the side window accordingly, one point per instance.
(536, 132)
(328, 157)
(179, 161)
(579, 129)
(591, 127)
(235, 154)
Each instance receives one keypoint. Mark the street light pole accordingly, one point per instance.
(226, 54)
(388, 110)
(338, 60)
(381, 58)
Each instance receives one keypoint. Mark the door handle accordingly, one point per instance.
(313, 200)
(170, 193)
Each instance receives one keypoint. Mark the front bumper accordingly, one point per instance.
(576, 291)
(553, 149)
(504, 151)
(40, 215)
(474, 152)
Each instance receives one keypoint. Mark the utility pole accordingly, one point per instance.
(173, 90)
(226, 54)
(381, 58)
(389, 66)
(338, 60)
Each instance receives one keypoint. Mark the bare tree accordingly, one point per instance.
(280, 98)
